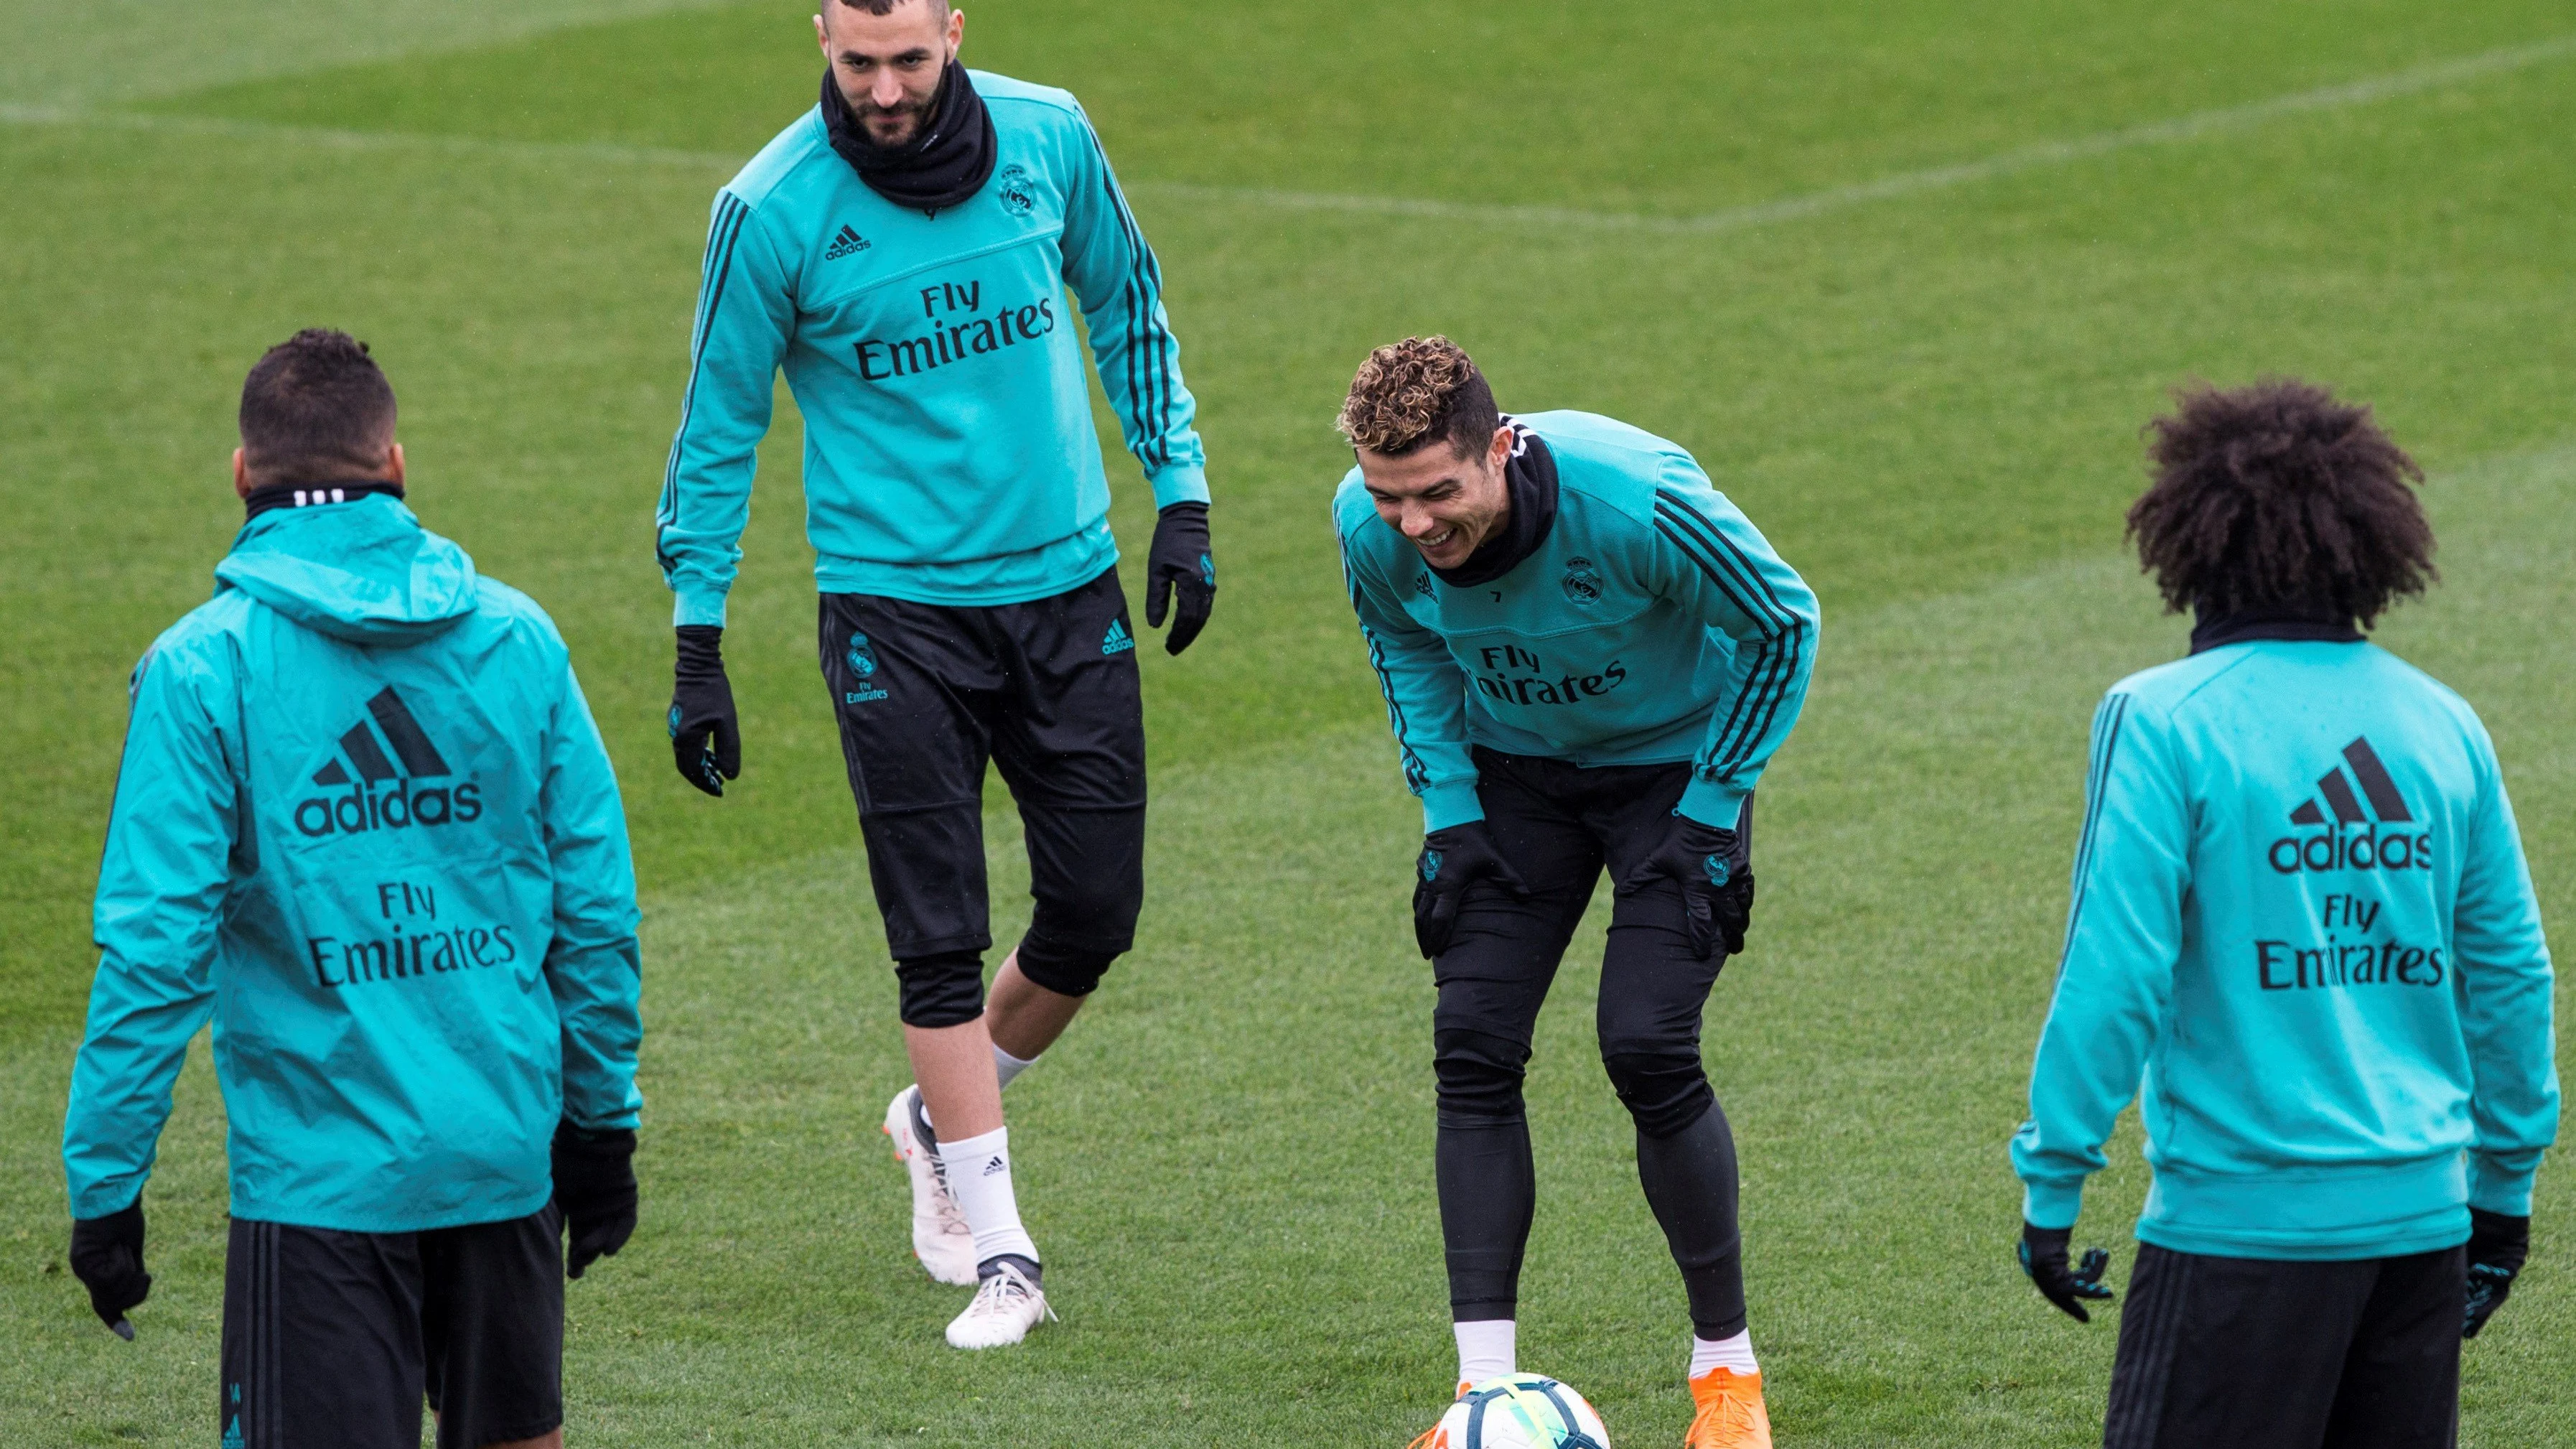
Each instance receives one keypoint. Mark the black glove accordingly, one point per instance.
(1716, 878)
(107, 1256)
(1180, 561)
(1451, 860)
(595, 1187)
(2043, 1257)
(2497, 1247)
(705, 742)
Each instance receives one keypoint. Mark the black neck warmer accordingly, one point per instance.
(2296, 622)
(306, 495)
(948, 161)
(1530, 474)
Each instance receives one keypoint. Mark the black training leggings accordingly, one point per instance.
(1560, 826)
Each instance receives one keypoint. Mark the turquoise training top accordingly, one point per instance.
(950, 456)
(2302, 918)
(365, 824)
(1652, 625)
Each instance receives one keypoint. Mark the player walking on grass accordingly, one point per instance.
(902, 251)
(2301, 915)
(365, 823)
(1588, 656)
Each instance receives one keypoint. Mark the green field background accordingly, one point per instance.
(1921, 370)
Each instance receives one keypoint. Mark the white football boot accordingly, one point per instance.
(940, 1237)
(1006, 1307)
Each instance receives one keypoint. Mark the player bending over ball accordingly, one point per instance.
(903, 251)
(365, 823)
(1588, 655)
(2301, 916)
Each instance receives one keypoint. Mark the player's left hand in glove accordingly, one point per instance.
(1716, 882)
(2043, 1256)
(2498, 1246)
(107, 1256)
(595, 1187)
(1180, 563)
(706, 742)
(1452, 860)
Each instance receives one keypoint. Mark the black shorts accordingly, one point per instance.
(2257, 1353)
(929, 694)
(332, 1340)
(1561, 826)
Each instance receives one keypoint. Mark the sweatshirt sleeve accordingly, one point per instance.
(746, 314)
(1711, 561)
(1426, 698)
(593, 965)
(1120, 286)
(2505, 983)
(2123, 940)
(162, 883)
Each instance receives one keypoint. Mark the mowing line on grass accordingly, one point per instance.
(2225, 119)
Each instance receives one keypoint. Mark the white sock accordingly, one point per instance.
(1485, 1349)
(1723, 1353)
(1007, 1066)
(979, 1177)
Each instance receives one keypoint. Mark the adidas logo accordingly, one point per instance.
(233, 1434)
(382, 759)
(2350, 826)
(1119, 640)
(997, 1165)
(843, 245)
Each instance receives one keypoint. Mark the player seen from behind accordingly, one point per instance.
(1588, 656)
(365, 823)
(2302, 919)
(903, 251)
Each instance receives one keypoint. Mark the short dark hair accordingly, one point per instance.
(887, 7)
(315, 409)
(1413, 391)
(2278, 496)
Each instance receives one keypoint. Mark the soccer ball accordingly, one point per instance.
(1520, 1411)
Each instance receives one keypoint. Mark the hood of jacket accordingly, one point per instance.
(365, 571)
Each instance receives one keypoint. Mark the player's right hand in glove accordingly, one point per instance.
(2043, 1257)
(705, 741)
(2498, 1246)
(107, 1256)
(1451, 860)
(1716, 882)
(595, 1187)
(1180, 565)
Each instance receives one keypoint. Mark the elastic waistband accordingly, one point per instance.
(2373, 1210)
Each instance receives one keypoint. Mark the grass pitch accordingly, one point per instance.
(1927, 393)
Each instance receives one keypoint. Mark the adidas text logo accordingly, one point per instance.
(843, 245)
(1119, 641)
(997, 1165)
(2352, 835)
(381, 795)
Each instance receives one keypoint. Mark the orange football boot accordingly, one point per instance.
(1730, 1414)
(1434, 1437)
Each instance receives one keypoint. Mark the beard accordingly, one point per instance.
(894, 125)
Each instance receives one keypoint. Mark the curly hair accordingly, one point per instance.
(315, 409)
(1413, 391)
(2278, 496)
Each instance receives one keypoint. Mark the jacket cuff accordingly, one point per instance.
(696, 604)
(2497, 1189)
(1455, 803)
(2052, 1204)
(1712, 804)
(1180, 483)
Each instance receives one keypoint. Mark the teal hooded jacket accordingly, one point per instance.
(950, 453)
(2303, 933)
(365, 823)
(1652, 625)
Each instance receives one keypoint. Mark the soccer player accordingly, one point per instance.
(903, 250)
(1588, 656)
(2301, 917)
(365, 823)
